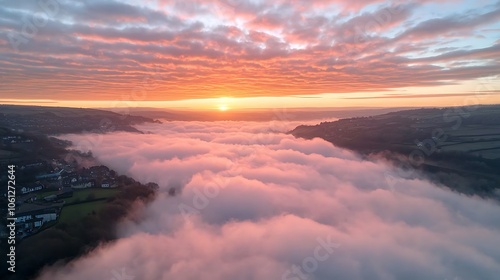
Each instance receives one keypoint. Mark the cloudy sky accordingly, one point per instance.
(253, 204)
(340, 51)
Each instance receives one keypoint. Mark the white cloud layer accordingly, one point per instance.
(261, 205)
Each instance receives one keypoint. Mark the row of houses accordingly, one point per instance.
(31, 217)
(37, 186)
(94, 177)
(33, 211)
(83, 183)
(15, 139)
(75, 183)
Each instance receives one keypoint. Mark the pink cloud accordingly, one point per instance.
(259, 203)
(247, 48)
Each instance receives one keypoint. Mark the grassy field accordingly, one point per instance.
(72, 213)
(467, 159)
(475, 141)
(474, 131)
(466, 147)
(82, 195)
(495, 137)
(76, 212)
(43, 194)
(488, 153)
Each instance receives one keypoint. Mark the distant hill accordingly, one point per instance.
(458, 147)
(261, 114)
(59, 120)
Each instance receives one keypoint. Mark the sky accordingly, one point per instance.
(255, 53)
(253, 203)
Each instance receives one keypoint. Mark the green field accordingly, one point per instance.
(43, 194)
(461, 145)
(474, 131)
(72, 213)
(82, 195)
(471, 146)
(493, 153)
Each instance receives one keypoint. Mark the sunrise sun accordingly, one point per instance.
(223, 107)
(223, 103)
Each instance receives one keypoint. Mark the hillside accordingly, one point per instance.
(458, 147)
(59, 120)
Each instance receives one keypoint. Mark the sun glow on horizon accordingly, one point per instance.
(484, 91)
(223, 107)
(223, 103)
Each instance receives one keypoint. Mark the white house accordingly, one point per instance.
(33, 188)
(82, 185)
(34, 216)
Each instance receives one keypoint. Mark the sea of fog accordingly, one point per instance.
(255, 203)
